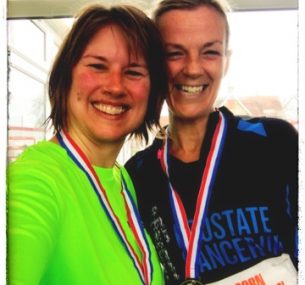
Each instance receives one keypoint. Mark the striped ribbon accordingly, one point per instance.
(191, 237)
(143, 268)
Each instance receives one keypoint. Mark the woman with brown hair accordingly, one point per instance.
(72, 214)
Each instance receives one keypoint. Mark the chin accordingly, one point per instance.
(110, 137)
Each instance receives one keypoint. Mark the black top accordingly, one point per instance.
(253, 207)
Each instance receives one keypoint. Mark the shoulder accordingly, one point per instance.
(274, 126)
(276, 131)
(262, 126)
(280, 127)
(42, 161)
(33, 179)
(141, 158)
(39, 152)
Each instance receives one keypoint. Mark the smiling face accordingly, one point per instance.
(195, 43)
(109, 91)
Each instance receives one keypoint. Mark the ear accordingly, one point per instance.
(227, 61)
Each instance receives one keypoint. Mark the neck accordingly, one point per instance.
(187, 138)
(99, 153)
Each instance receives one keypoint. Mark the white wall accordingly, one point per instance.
(3, 118)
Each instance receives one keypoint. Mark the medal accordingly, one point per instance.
(144, 266)
(191, 237)
(191, 282)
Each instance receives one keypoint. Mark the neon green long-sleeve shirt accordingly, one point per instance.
(58, 233)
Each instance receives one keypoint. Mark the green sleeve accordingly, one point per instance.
(33, 217)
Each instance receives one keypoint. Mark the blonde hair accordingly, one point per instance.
(221, 6)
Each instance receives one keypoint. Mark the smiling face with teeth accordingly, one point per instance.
(109, 91)
(197, 59)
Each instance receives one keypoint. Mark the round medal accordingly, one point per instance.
(191, 282)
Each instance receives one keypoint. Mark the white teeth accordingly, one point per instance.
(109, 109)
(191, 89)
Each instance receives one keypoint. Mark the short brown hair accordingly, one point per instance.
(141, 35)
(221, 6)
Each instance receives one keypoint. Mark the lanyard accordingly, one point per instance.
(191, 236)
(143, 268)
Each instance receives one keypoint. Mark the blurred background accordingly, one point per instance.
(262, 79)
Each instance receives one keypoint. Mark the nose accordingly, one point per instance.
(113, 83)
(193, 67)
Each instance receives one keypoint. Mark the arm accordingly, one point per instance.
(32, 223)
(285, 144)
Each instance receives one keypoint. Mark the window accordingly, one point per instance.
(28, 39)
(262, 76)
(28, 106)
(26, 100)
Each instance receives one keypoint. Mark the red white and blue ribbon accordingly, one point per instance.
(192, 237)
(144, 268)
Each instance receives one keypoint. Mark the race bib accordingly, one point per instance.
(273, 271)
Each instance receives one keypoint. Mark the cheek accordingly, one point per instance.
(217, 70)
(84, 80)
(173, 68)
(141, 92)
(82, 83)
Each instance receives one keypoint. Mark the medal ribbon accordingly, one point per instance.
(191, 237)
(143, 268)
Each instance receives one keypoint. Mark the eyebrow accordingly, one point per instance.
(101, 58)
(212, 43)
(206, 45)
(134, 64)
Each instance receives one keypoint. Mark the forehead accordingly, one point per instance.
(200, 22)
(112, 38)
(109, 33)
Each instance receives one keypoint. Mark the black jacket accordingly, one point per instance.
(253, 207)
